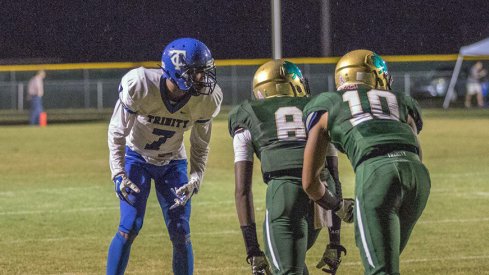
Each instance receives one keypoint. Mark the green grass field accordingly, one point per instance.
(58, 212)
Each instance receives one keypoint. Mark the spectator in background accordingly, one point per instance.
(485, 93)
(474, 86)
(35, 90)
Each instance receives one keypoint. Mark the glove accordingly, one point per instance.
(124, 189)
(345, 211)
(259, 265)
(331, 259)
(184, 193)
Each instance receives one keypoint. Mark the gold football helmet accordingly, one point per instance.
(279, 77)
(362, 67)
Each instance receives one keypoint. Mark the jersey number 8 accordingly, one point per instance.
(288, 121)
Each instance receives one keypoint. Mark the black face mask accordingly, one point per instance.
(203, 86)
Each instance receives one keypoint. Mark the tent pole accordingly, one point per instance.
(453, 80)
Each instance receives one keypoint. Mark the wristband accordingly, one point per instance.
(329, 202)
(251, 240)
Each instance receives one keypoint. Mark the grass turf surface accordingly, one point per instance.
(58, 211)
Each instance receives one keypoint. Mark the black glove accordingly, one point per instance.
(331, 259)
(259, 264)
(345, 210)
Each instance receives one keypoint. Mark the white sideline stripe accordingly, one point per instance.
(95, 209)
(88, 209)
(217, 233)
(56, 211)
(269, 241)
(61, 239)
(362, 234)
(454, 220)
(60, 190)
(422, 260)
(101, 208)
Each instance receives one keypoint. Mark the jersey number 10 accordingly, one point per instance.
(375, 100)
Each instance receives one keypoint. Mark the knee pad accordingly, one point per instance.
(179, 231)
(130, 221)
(180, 240)
(128, 236)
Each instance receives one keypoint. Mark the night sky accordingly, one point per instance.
(96, 31)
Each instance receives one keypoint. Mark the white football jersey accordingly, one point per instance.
(150, 124)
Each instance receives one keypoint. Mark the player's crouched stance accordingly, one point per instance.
(145, 138)
(377, 128)
(271, 127)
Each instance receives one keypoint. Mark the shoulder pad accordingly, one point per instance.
(210, 105)
(132, 88)
(237, 117)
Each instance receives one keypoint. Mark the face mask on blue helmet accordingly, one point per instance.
(188, 63)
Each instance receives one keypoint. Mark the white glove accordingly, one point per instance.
(184, 193)
(124, 188)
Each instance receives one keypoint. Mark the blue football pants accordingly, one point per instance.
(172, 175)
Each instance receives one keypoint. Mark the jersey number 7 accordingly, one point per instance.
(164, 136)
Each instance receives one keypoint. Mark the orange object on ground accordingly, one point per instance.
(43, 119)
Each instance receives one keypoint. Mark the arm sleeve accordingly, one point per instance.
(199, 149)
(119, 127)
(243, 147)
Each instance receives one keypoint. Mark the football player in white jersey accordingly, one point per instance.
(145, 137)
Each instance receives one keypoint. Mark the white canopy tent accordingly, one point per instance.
(480, 48)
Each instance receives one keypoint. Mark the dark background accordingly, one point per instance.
(98, 30)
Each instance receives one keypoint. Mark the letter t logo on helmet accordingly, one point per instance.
(188, 63)
(177, 58)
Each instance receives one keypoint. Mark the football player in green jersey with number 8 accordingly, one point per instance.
(377, 129)
(271, 126)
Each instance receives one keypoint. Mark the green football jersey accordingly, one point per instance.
(363, 119)
(277, 130)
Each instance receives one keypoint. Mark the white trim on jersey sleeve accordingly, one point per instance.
(119, 127)
(243, 147)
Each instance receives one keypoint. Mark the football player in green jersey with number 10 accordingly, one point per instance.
(271, 126)
(377, 129)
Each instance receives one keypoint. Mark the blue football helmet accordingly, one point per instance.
(188, 63)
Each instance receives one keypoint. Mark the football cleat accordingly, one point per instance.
(279, 77)
(362, 67)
